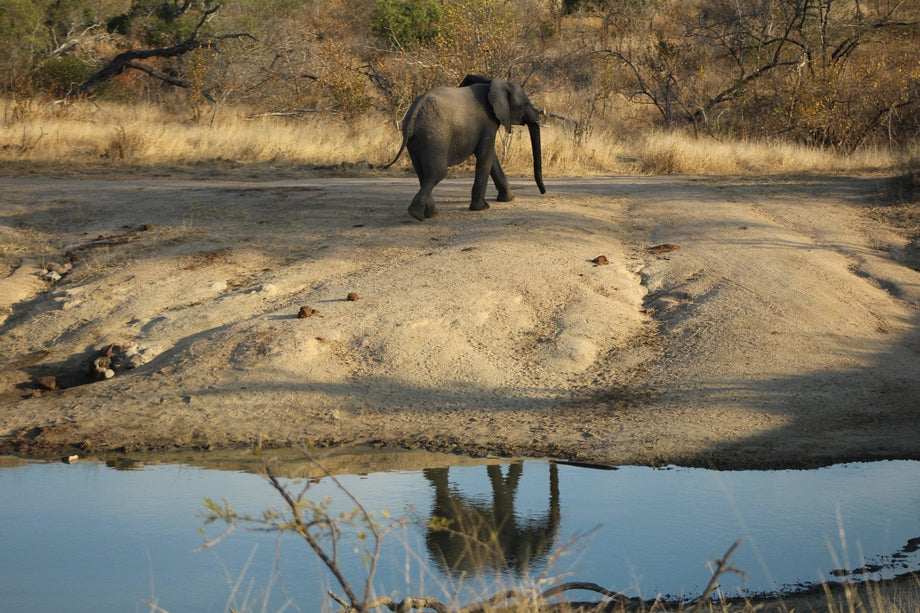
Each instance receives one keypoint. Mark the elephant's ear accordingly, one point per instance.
(498, 98)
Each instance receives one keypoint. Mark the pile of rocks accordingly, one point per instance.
(112, 359)
(55, 271)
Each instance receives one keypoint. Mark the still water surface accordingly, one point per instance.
(88, 537)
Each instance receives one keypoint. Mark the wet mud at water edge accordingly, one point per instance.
(733, 322)
(133, 522)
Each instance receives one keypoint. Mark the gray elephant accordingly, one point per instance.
(447, 125)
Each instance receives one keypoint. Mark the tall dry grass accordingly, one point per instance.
(107, 134)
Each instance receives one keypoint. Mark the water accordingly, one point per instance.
(87, 537)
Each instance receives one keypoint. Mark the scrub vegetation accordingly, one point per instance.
(632, 86)
(334, 536)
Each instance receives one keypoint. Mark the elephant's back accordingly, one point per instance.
(456, 108)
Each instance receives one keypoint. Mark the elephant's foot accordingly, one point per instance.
(417, 212)
(479, 205)
(506, 197)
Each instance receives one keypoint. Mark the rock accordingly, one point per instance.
(70, 459)
(48, 383)
(52, 276)
(663, 248)
(61, 269)
(352, 297)
(306, 311)
(600, 260)
(101, 368)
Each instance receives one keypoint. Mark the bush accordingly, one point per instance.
(406, 23)
(60, 75)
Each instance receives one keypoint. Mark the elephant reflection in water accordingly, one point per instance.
(490, 536)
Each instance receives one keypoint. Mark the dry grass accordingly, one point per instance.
(106, 134)
(88, 133)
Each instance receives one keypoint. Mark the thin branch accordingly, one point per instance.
(158, 74)
(722, 567)
(296, 113)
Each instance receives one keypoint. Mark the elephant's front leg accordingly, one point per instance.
(501, 182)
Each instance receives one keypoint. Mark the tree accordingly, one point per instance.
(22, 35)
(132, 58)
(792, 67)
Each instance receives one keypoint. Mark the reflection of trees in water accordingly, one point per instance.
(483, 535)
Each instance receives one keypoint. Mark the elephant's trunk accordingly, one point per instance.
(534, 128)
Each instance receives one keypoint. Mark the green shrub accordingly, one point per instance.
(406, 23)
(62, 74)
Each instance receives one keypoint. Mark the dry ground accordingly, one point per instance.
(740, 322)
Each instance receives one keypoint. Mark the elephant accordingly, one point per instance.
(491, 535)
(447, 125)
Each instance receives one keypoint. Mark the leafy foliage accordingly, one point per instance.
(406, 23)
(62, 74)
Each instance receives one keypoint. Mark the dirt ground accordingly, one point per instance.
(732, 322)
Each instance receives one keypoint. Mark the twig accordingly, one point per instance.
(298, 113)
(721, 568)
(154, 607)
(25, 147)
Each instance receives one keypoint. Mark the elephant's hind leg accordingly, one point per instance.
(422, 206)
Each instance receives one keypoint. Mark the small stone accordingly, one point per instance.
(600, 260)
(663, 248)
(48, 383)
(70, 459)
(306, 311)
(352, 297)
(61, 269)
(52, 276)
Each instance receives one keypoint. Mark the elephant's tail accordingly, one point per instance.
(398, 153)
(408, 123)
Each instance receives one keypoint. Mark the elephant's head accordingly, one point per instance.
(512, 107)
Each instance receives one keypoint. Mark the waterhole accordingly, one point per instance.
(121, 534)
